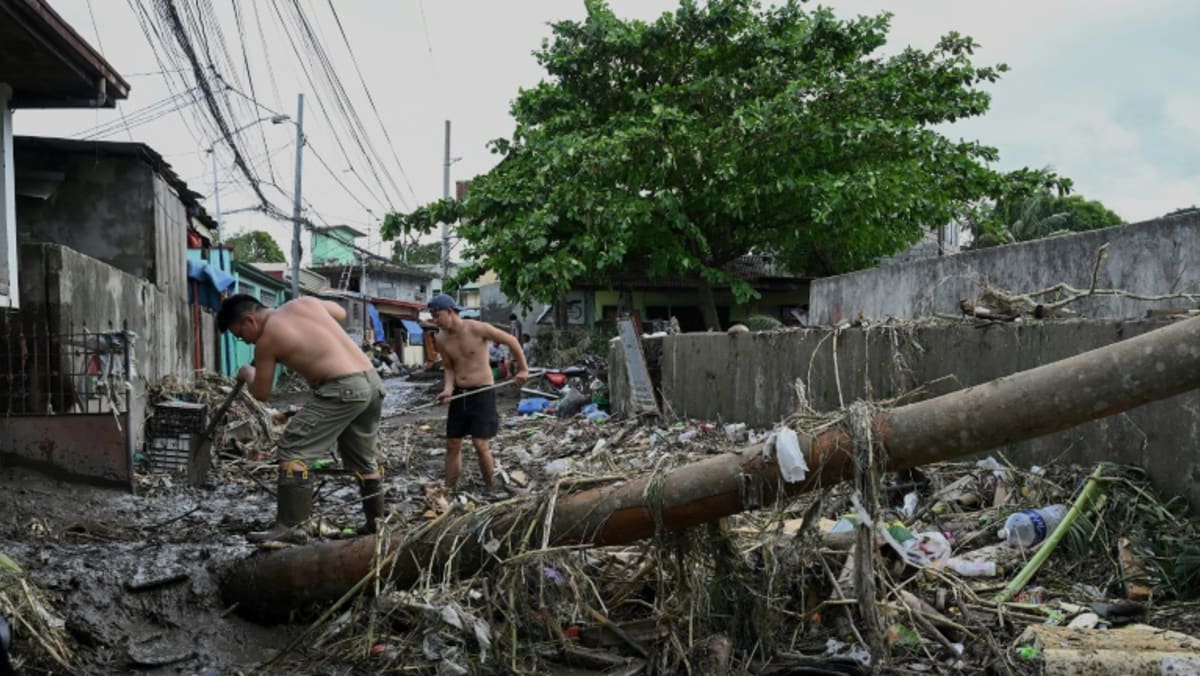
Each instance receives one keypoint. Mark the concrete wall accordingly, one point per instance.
(105, 207)
(1152, 258)
(72, 290)
(750, 378)
(395, 286)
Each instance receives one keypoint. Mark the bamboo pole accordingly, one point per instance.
(1021, 406)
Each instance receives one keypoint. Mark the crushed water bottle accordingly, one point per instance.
(1029, 527)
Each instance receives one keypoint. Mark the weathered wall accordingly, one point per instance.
(74, 291)
(750, 378)
(105, 208)
(386, 284)
(1152, 258)
(170, 240)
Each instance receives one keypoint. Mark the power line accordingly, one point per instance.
(172, 16)
(371, 99)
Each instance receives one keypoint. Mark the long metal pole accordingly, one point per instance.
(212, 150)
(296, 197)
(446, 226)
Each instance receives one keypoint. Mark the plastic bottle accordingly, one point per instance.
(1029, 527)
(972, 568)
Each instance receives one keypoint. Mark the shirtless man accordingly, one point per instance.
(463, 344)
(344, 406)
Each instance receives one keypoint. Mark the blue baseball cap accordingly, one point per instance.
(443, 302)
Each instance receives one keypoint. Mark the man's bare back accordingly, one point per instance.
(304, 336)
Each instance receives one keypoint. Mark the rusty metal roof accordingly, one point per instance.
(49, 65)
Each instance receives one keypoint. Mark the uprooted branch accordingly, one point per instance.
(995, 303)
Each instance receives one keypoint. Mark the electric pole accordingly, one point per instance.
(446, 226)
(296, 198)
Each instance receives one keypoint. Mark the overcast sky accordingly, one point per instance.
(1105, 92)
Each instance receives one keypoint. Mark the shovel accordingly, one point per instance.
(200, 458)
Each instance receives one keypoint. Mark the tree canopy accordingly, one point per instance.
(256, 246)
(673, 147)
(414, 253)
(1038, 215)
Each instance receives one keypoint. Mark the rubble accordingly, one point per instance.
(784, 588)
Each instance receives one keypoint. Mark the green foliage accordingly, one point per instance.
(255, 246)
(413, 253)
(762, 323)
(1183, 211)
(1041, 214)
(674, 147)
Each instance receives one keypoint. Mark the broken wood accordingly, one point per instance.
(1021, 406)
(1135, 649)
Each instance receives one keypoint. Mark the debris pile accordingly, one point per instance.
(250, 429)
(29, 625)
(782, 588)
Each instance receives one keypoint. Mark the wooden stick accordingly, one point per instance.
(457, 396)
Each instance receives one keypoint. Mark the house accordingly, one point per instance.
(43, 64)
(377, 277)
(311, 283)
(87, 323)
(596, 305)
(351, 268)
(334, 245)
(103, 229)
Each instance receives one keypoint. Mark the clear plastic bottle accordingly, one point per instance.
(1029, 527)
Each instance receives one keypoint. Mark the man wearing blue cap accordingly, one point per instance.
(463, 344)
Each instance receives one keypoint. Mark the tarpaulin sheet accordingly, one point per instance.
(211, 283)
(415, 333)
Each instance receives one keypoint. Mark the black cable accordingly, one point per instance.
(370, 98)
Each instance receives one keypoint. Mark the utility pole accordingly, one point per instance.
(296, 197)
(216, 193)
(446, 226)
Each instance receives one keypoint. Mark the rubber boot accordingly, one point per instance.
(295, 508)
(372, 503)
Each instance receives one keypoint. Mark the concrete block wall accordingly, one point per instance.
(73, 290)
(1152, 258)
(751, 378)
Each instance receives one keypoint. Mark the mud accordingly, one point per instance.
(135, 577)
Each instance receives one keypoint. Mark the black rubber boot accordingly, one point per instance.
(372, 504)
(295, 508)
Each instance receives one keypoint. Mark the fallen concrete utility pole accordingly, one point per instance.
(1014, 408)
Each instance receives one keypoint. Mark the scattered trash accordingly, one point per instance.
(1028, 527)
(789, 455)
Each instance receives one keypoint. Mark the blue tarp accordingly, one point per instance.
(375, 322)
(212, 283)
(415, 334)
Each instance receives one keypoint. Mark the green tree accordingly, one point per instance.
(674, 147)
(1038, 215)
(255, 246)
(414, 253)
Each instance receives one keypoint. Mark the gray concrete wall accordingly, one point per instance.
(73, 290)
(750, 378)
(395, 286)
(105, 207)
(1152, 258)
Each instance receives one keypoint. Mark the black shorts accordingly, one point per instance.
(474, 416)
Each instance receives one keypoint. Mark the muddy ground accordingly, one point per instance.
(135, 577)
